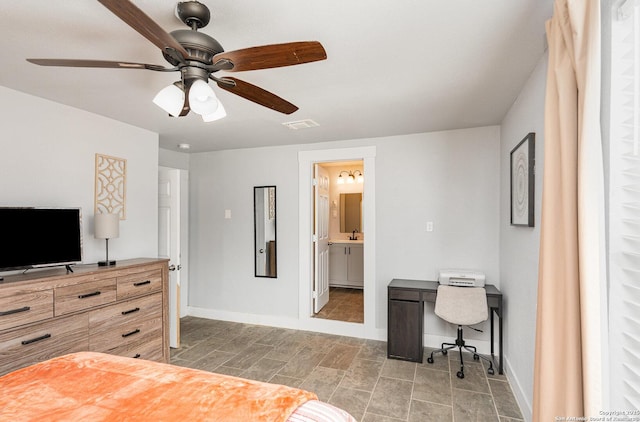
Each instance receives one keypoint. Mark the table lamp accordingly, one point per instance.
(107, 226)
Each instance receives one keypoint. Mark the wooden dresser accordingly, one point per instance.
(121, 310)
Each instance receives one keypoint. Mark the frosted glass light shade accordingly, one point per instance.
(202, 99)
(107, 226)
(170, 99)
(216, 115)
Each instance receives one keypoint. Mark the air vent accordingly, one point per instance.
(301, 124)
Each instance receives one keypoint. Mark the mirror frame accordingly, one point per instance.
(343, 211)
(271, 205)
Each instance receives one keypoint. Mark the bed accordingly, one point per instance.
(92, 386)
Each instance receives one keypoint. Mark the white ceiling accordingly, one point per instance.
(393, 67)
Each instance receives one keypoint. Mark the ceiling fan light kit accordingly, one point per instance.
(170, 99)
(216, 115)
(197, 56)
(202, 99)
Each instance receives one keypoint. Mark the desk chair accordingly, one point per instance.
(461, 306)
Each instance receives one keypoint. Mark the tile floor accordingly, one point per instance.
(351, 373)
(344, 305)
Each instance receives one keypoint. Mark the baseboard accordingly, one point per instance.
(318, 325)
(518, 392)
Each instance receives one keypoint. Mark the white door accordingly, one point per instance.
(169, 242)
(321, 238)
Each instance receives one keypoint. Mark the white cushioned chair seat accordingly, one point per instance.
(462, 305)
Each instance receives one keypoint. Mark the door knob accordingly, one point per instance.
(261, 250)
(172, 267)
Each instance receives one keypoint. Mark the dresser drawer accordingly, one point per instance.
(105, 319)
(404, 294)
(27, 346)
(24, 308)
(145, 349)
(131, 322)
(136, 331)
(83, 296)
(139, 283)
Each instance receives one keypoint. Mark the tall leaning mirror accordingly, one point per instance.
(264, 221)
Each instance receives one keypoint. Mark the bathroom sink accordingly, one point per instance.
(357, 241)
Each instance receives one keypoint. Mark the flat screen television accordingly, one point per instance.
(39, 237)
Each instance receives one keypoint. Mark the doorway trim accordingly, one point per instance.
(306, 160)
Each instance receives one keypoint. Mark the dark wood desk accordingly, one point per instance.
(405, 317)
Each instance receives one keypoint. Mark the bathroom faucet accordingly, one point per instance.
(353, 235)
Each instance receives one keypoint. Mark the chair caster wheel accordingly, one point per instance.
(430, 359)
(490, 371)
(476, 357)
(444, 352)
(460, 374)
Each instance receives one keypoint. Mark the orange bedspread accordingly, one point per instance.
(98, 387)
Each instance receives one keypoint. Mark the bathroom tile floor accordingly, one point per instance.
(344, 305)
(351, 373)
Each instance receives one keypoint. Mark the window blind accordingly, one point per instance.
(624, 217)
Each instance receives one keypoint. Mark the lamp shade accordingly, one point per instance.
(202, 99)
(170, 99)
(216, 115)
(107, 226)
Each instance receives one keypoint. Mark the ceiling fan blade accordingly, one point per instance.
(269, 56)
(256, 94)
(147, 27)
(95, 63)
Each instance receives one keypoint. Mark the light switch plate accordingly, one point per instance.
(227, 214)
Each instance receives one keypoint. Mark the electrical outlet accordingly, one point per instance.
(429, 226)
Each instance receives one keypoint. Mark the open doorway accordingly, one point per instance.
(306, 165)
(173, 240)
(339, 241)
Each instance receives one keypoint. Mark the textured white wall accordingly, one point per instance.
(450, 178)
(519, 246)
(47, 158)
(173, 159)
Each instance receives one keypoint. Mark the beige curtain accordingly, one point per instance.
(567, 371)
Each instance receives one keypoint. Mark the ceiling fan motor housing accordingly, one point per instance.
(201, 47)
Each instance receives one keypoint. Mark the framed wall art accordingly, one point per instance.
(523, 181)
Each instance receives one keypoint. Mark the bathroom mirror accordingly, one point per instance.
(350, 212)
(264, 222)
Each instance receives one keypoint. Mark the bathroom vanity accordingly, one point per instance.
(346, 263)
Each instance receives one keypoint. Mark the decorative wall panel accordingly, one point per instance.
(111, 180)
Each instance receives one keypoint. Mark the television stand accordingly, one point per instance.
(68, 267)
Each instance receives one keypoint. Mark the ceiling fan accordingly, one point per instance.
(197, 56)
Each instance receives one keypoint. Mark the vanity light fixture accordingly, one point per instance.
(351, 177)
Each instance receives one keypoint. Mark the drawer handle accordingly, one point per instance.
(142, 283)
(130, 311)
(88, 295)
(136, 331)
(137, 356)
(33, 340)
(15, 311)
